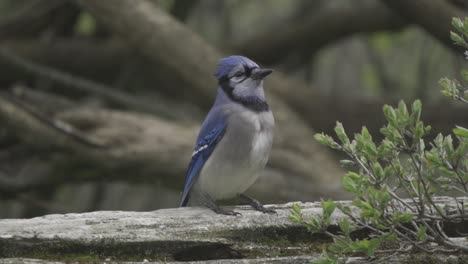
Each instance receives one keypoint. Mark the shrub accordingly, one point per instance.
(403, 164)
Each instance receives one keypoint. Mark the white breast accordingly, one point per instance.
(239, 157)
(263, 138)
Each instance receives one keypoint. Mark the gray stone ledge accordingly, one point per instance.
(167, 235)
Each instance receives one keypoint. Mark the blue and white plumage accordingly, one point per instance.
(235, 139)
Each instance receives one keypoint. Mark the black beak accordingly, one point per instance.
(261, 73)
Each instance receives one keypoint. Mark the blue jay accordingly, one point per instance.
(235, 139)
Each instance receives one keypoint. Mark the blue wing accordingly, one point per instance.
(210, 134)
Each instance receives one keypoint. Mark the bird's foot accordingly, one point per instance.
(220, 210)
(265, 210)
(257, 205)
(210, 203)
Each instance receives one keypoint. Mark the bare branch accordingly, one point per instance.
(109, 93)
(56, 124)
(106, 57)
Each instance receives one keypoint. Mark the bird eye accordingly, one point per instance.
(238, 74)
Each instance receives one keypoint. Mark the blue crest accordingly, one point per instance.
(225, 65)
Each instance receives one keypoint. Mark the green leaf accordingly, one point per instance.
(293, 218)
(326, 140)
(340, 245)
(450, 88)
(385, 148)
(427, 129)
(416, 109)
(367, 210)
(389, 172)
(402, 111)
(457, 23)
(457, 38)
(465, 23)
(382, 197)
(344, 208)
(373, 245)
(362, 204)
(295, 215)
(403, 218)
(340, 132)
(346, 162)
(422, 233)
(365, 134)
(378, 171)
(464, 74)
(345, 226)
(390, 114)
(439, 140)
(392, 236)
(326, 259)
(350, 183)
(460, 152)
(328, 207)
(314, 225)
(366, 245)
(461, 132)
(419, 130)
(296, 208)
(448, 145)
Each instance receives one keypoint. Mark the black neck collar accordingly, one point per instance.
(253, 103)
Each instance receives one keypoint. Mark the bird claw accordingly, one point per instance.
(268, 211)
(234, 213)
(227, 212)
(257, 205)
(265, 210)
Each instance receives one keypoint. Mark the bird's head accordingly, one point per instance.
(240, 77)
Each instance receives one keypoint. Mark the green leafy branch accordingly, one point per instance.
(453, 88)
(403, 164)
(380, 175)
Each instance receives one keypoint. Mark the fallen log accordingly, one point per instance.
(182, 234)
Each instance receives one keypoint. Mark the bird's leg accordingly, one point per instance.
(256, 204)
(210, 203)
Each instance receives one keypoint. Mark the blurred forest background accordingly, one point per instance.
(100, 101)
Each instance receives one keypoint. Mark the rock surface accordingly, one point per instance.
(167, 235)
